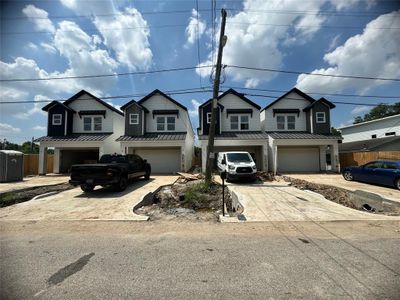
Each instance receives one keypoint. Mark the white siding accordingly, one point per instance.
(158, 102)
(291, 101)
(231, 101)
(365, 131)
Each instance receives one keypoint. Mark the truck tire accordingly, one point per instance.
(122, 184)
(87, 188)
(147, 175)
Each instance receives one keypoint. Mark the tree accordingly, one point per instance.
(336, 132)
(380, 111)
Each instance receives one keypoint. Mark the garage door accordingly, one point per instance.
(165, 161)
(77, 156)
(298, 159)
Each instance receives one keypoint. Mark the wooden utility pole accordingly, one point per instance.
(218, 67)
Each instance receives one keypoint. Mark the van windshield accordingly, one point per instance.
(238, 157)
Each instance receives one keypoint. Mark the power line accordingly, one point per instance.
(104, 75)
(198, 38)
(313, 74)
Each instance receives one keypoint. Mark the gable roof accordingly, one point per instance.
(52, 103)
(233, 92)
(123, 107)
(293, 90)
(321, 100)
(157, 91)
(82, 92)
(208, 102)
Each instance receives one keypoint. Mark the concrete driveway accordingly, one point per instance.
(101, 204)
(277, 201)
(338, 181)
(32, 181)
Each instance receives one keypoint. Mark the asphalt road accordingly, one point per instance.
(182, 260)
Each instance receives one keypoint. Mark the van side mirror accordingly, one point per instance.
(223, 161)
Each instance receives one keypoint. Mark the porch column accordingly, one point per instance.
(335, 157)
(183, 167)
(56, 160)
(101, 151)
(275, 158)
(123, 149)
(322, 158)
(203, 157)
(42, 160)
(264, 154)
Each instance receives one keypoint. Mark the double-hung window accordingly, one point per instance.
(286, 122)
(239, 122)
(57, 119)
(291, 122)
(165, 123)
(97, 123)
(208, 118)
(320, 116)
(280, 122)
(87, 124)
(133, 119)
(92, 123)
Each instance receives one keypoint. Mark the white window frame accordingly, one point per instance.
(53, 120)
(92, 123)
(208, 118)
(320, 113)
(287, 122)
(240, 122)
(165, 123)
(284, 122)
(131, 120)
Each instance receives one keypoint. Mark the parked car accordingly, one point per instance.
(238, 165)
(112, 170)
(384, 172)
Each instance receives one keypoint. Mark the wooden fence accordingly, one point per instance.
(360, 158)
(31, 164)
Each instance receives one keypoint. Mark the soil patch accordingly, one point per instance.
(18, 196)
(192, 200)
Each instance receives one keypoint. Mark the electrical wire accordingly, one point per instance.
(198, 38)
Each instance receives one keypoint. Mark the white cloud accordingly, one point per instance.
(48, 48)
(39, 17)
(345, 4)
(39, 128)
(194, 28)
(334, 42)
(32, 46)
(252, 44)
(37, 108)
(194, 112)
(374, 53)
(7, 129)
(360, 109)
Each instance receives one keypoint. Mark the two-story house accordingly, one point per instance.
(238, 127)
(80, 130)
(158, 129)
(299, 131)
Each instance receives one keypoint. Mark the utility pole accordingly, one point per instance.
(210, 148)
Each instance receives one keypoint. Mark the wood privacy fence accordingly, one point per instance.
(360, 158)
(31, 164)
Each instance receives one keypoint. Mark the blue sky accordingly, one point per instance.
(42, 39)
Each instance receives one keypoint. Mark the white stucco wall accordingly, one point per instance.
(291, 101)
(364, 131)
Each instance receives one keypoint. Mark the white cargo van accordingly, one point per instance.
(237, 164)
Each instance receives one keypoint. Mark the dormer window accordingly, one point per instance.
(209, 118)
(133, 119)
(320, 116)
(57, 119)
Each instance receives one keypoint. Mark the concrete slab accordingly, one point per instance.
(279, 202)
(32, 181)
(101, 204)
(338, 181)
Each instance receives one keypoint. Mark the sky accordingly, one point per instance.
(42, 39)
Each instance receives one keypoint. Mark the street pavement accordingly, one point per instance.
(183, 260)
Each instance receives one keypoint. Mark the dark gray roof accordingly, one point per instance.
(301, 135)
(242, 135)
(77, 137)
(367, 145)
(154, 136)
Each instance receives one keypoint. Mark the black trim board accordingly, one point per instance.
(236, 93)
(132, 102)
(321, 100)
(53, 103)
(92, 113)
(293, 90)
(156, 91)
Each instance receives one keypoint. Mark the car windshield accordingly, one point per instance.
(109, 159)
(238, 157)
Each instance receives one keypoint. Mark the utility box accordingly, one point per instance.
(11, 166)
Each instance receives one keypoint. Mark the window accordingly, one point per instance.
(170, 123)
(208, 118)
(291, 122)
(97, 123)
(234, 122)
(160, 123)
(391, 165)
(373, 136)
(57, 119)
(320, 116)
(87, 124)
(244, 122)
(390, 133)
(165, 123)
(280, 122)
(133, 119)
(373, 165)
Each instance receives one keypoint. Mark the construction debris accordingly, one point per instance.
(265, 176)
(185, 177)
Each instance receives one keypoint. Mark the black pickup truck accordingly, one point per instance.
(112, 170)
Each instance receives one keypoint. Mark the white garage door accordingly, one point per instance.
(298, 159)
(162, 160)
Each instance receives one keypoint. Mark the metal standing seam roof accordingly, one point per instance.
(154, 136)
(301, 135)
(77, 137)
(248, 135)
